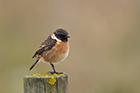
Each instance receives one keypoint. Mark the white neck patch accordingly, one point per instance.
(54, 37)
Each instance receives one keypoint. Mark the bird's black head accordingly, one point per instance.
(62, 34)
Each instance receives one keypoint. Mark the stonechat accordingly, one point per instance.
(54, 49)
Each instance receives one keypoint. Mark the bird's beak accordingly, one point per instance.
(68, 36)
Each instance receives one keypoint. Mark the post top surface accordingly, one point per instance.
(46, 75)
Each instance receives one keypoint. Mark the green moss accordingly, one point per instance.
(46, 75)
(52, 77)
(52, 81)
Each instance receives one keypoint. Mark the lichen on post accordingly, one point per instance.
(46, 83)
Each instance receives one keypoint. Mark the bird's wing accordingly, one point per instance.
(48, 44)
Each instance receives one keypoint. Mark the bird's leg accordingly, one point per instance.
(54, 71)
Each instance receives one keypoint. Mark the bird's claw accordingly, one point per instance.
(54, 72)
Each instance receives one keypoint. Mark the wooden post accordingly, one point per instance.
(46, 83)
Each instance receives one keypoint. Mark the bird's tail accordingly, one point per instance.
(34, 64)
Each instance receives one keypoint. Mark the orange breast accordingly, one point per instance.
(58, 53)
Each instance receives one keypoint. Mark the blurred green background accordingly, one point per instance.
(105, 43)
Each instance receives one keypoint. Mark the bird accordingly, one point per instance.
(54, 49)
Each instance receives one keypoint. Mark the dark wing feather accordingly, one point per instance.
(48, 44)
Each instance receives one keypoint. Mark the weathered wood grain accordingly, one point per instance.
(46, 83)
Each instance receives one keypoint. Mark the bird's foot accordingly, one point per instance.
(54, 72)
